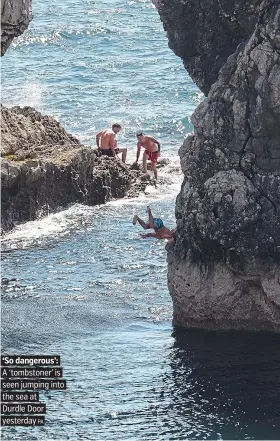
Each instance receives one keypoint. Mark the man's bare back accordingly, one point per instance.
(107, 143)
(107, 139)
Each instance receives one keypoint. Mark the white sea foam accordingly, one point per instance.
(31, 94)
(56, 224)
(78, 216)
(27, 39)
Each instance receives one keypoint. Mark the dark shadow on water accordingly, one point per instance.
(229, 381)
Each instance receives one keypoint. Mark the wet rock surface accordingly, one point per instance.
(15, 18)
(45, 168)
(224, 269)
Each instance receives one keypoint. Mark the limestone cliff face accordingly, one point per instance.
(204, 33)
(15, 18)
(224, 270)
(44, 168)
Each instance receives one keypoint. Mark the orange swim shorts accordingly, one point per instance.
(152, 156)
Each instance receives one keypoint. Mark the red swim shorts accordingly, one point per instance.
(152, 156)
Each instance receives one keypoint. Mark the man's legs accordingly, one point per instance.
(145, 162)
(124, 153)
(141, 222)
(154, 168)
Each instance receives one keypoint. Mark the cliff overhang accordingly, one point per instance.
(15, 18)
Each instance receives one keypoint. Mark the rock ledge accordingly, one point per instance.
(44, 168)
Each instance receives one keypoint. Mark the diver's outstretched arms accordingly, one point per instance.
(144, 236)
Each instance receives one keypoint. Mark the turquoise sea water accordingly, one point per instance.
(90, 63)
(82, 284)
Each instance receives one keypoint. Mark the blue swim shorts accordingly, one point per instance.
(158, 223)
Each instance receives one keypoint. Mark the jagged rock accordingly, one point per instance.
(224, 269)
(44, 168)
(204, 33)
(15, 18)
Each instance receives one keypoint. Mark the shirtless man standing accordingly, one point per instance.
(161, 232)
(152, 151)
(107, 144)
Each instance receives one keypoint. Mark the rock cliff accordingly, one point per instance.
(15, 18)
(204, 33)
(224, 269)
(44, 168)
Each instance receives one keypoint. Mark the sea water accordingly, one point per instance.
(82, 284)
